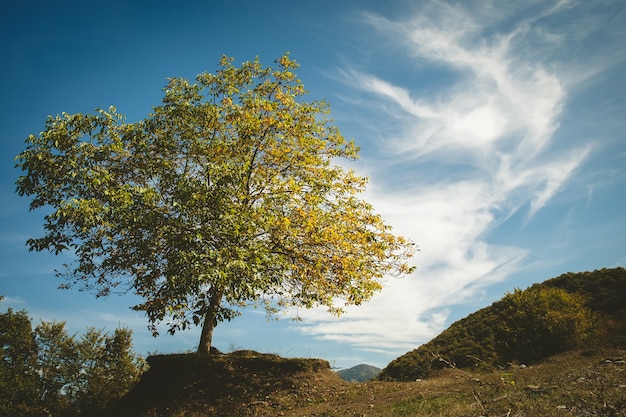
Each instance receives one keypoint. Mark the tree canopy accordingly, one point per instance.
(230, 192)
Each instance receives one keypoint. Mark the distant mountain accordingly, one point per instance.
(359, 373)
(572, 311)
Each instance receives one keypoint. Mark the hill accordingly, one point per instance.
(572, 311)
(359, 373)
(586, 377)
(576, 384)
(231, 384)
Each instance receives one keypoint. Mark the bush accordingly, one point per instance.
(541, 322)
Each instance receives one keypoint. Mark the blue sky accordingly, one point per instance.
(493, 133)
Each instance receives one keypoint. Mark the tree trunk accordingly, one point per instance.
(210, 321)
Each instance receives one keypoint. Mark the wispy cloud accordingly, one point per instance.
(490, 131)
(12, 302)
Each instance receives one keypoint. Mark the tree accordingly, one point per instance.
(18, 377)
(46, 371)
(86, 374)
(227, 194)
(58, 365)
(108, 369)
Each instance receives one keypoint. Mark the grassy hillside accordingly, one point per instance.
(574, 310)
(580, 317)
(577, 384)
(219, 384)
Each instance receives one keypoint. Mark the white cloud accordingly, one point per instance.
(497, 120)
(12, 302)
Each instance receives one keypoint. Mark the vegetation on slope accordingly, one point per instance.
(571, 311)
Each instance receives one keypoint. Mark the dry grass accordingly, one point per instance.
(571, 384)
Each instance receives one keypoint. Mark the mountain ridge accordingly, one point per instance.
(359, 373)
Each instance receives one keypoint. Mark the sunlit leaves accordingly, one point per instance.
(230, 188)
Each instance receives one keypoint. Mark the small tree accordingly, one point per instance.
(19, 381)
(58, 365)
(227, 193)
(108, 369)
